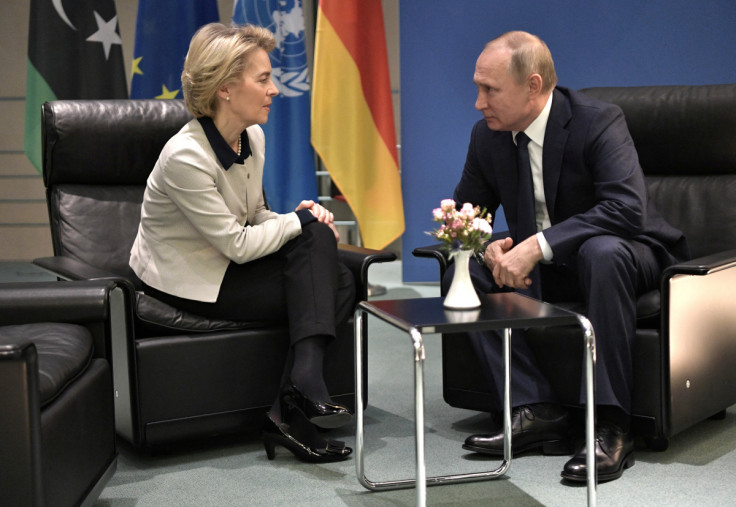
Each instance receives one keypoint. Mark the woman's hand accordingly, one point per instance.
(322, 214)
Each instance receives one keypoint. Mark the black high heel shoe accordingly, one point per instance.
(275, 434)
(322, 414)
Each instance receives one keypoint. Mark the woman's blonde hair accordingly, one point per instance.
(218, 55)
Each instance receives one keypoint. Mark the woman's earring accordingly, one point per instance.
(227, 98)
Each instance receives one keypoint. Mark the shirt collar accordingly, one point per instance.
(223, 151)
(537, 128)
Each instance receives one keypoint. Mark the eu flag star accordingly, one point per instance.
(166, 94)
(136, 69)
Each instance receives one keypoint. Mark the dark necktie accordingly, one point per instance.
(526, 225)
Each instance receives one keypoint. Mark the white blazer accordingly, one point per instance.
(194, 214)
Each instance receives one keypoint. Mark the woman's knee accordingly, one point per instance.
(319, 231)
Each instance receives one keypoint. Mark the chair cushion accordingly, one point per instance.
(96, 224)
(64, 352)
(647, 309)
(164, 318)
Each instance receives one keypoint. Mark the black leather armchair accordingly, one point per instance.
(57, 429)
(685, 348)
(176, 375)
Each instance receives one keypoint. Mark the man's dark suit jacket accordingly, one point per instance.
(593, 183)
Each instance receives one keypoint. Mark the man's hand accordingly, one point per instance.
(511, 266)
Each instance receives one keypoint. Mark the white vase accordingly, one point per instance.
(462, 295)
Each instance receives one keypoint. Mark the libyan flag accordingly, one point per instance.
(73, 53)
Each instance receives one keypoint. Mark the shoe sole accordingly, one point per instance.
(627, 462)
(548, 447)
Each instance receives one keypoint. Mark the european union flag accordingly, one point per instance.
(289, 174)
(163, 31)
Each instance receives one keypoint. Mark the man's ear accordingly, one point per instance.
(535, 84)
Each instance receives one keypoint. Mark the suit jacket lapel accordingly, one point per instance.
(555, 138)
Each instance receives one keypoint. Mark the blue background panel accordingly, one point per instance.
(594, 43)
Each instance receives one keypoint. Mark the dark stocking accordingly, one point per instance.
(306, 371)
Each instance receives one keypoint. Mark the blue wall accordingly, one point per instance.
(594, 43)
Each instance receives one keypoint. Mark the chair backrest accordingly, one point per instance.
(97, 155)
(686, 140)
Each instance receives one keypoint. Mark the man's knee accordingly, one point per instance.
(600, 250)
(605, 258)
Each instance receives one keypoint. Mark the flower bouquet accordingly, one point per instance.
(462, 232)
(464, 229)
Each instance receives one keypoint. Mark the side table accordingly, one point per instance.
(505, 311)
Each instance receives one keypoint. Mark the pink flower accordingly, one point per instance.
(482, 225)
(468, 210)
(447, 205)
(465, 228)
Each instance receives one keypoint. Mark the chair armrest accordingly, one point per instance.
(359, 259)
(71, 302)
(702, 265)
(698, 339)
(20, 424)
(436, 251)
(87, 303)
(72, 269)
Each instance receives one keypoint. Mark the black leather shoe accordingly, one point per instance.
(322, 414)
(614, 452)
(278, 434)
(528, 431)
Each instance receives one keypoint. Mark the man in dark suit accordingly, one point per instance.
(581, 228)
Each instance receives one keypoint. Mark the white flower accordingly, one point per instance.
(482, 225)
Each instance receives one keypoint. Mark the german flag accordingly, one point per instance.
(352, 115)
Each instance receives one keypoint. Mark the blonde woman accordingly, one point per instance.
(208, 244)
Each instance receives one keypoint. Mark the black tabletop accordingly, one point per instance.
(497, 311)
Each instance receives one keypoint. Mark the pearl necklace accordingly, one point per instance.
(240, 140)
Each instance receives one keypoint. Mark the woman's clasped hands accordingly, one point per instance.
(322, 214)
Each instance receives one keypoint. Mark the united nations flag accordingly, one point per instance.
(289, 174)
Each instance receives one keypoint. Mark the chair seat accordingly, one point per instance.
(64, 352)
(648, 309)
(159, 317)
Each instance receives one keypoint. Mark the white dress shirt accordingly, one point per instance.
(535, 131)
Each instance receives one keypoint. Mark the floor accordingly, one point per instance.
(697, 468)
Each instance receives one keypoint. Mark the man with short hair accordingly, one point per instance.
(581, 228)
